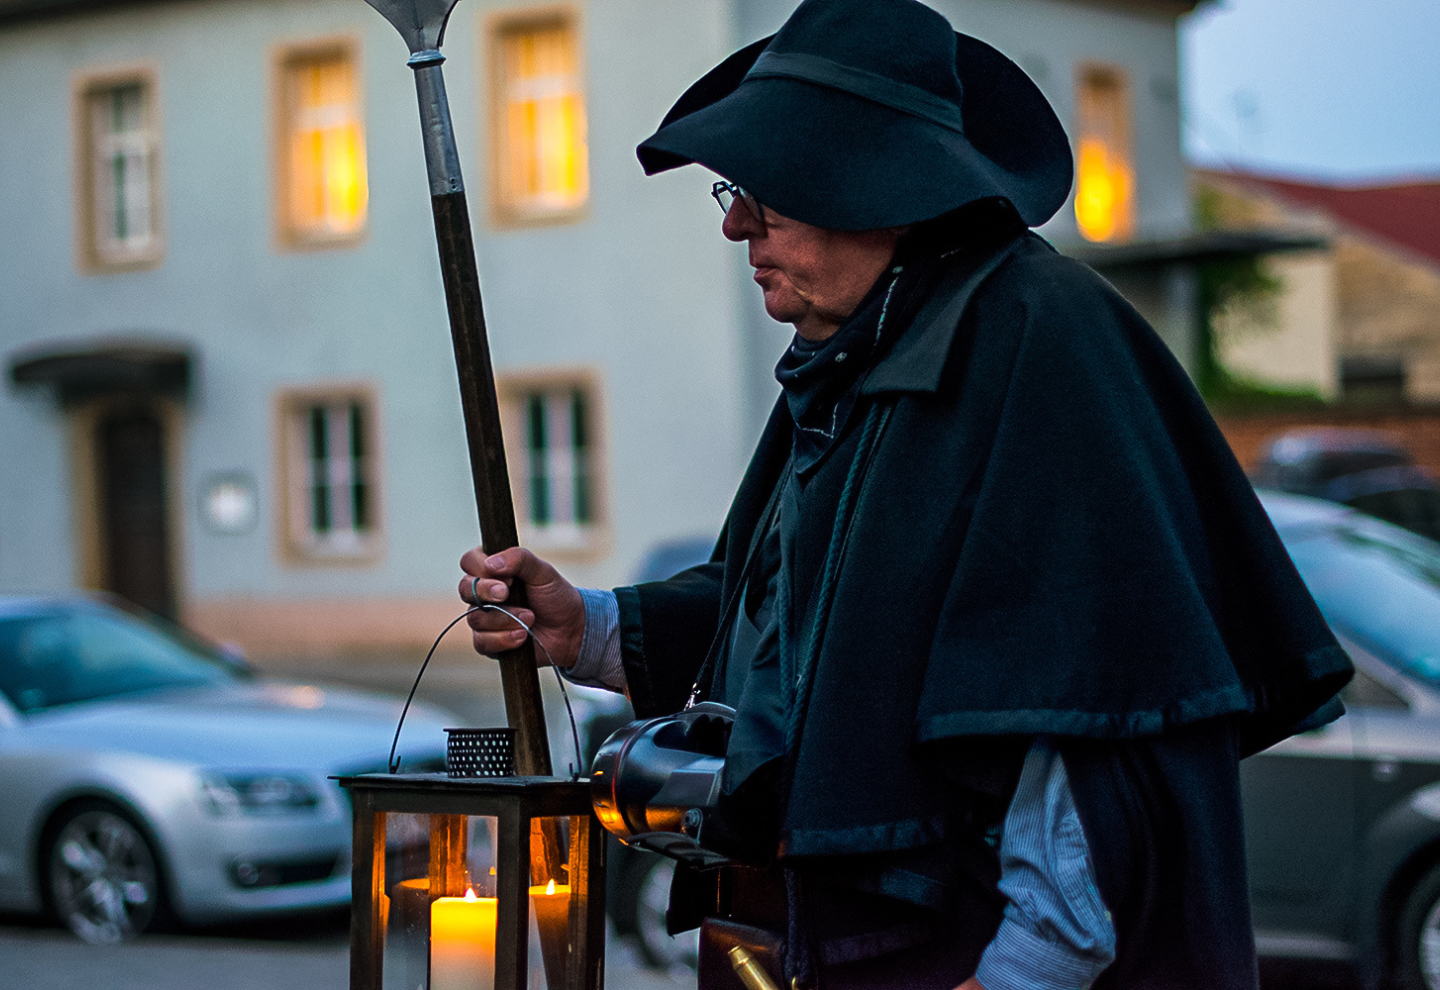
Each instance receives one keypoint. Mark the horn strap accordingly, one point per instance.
(860, 82)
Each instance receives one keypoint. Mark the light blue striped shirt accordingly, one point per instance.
(1057, 933)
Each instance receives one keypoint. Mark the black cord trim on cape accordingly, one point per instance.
(813, 639)
(1222, 702)
(1231, 700)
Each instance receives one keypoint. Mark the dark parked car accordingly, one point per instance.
(1343, 823)
(1369, 470)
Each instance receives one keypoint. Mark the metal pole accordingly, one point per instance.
(488, 470)
(422, 24)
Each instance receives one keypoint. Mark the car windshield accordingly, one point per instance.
(1379, 586)
(59, 658)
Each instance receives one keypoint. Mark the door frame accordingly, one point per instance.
(91, 543)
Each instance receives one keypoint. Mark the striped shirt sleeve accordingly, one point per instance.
(598, 663)
(1057, 933)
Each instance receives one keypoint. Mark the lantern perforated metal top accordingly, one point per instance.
(480, 752)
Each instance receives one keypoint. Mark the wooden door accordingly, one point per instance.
(130, 448)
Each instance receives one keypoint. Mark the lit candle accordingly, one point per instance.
(462, 943)
(551, 905)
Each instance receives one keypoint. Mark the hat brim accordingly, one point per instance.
(832, 159)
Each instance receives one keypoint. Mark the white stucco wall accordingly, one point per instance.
(641, 290)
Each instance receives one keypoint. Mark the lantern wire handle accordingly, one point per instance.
(394, 764)
(574, 732)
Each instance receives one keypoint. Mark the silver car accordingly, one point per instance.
(146, 774)
(1343, 823)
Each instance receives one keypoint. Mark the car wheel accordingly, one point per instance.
(652, 896)
(102, 878)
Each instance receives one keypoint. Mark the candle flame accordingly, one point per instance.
(470, 895)
(550, 887)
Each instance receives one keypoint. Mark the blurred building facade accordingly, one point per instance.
(1358, 319)
(231, 394)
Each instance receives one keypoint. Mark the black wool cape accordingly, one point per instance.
(1051, 537)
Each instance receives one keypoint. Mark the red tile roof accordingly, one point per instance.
(1406, 214)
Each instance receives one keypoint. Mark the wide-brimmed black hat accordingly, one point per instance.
(860, 114)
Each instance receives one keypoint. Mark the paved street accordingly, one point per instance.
(310, 955)
(313, 956)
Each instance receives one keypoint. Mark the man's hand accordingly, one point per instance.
(555, 610)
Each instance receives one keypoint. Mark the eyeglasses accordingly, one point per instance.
(726, 193)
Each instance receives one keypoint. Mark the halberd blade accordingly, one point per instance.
(420, 22)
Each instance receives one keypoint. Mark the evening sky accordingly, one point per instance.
(1340, 89)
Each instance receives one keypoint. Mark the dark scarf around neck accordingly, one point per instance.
(822, 378)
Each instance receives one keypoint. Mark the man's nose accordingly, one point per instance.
(740, 224)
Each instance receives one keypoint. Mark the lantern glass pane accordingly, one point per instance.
(550, 904)
(440, 885)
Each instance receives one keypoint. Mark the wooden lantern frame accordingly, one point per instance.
(521, 807)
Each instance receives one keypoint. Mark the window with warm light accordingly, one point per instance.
(541, 167)
(1105, 178)
(323, 187)
(119, 158)
(330, 504)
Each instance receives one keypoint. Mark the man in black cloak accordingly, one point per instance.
(997, 608)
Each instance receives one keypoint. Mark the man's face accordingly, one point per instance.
(811, 277)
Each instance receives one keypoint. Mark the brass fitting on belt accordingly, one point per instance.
(749, 971)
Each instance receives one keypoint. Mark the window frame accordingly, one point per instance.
(505, 213)
(290, 235)
(85, 85)
(297, 544)
(593, 538)
(1126, 224)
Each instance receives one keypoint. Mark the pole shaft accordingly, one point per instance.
(488, 470)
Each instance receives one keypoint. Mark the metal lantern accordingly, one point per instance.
(452, 891)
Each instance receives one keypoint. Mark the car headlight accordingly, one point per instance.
(257, 794)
